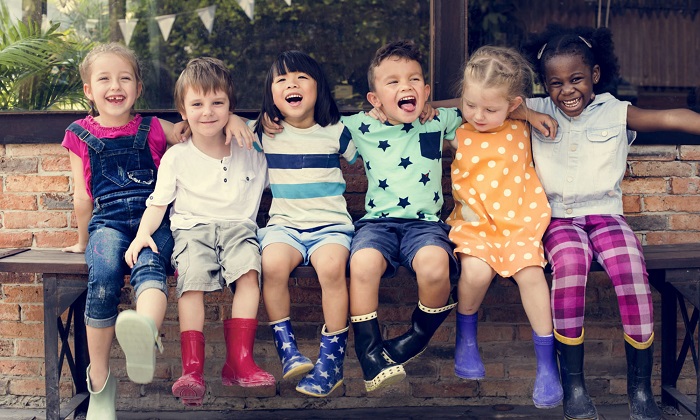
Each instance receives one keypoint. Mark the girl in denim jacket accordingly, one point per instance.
(581, 171)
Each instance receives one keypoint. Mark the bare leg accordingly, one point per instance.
(190, 308)
(278, 260)
(330, 262)
(473, 284)
(366, 269)
(534, 293)
(432, 268)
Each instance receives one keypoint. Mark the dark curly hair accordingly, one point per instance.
(560, 40)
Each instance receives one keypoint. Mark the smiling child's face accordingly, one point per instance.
(399, 90)
(569, 82)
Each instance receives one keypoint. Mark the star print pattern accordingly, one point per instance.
(327, 373)
(501, 211)
(405, 178)
(286, 346)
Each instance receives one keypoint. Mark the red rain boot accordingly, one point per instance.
(190, 387)
(240, 368)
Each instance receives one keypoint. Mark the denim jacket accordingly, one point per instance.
(581, 169)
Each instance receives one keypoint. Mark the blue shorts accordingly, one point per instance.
(399, 240)
(306, 241)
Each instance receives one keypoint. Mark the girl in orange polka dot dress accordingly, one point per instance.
(501, 212)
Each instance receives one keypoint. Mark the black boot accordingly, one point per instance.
(424, 322)
(577, 403)
(639, 363)
(376, 371)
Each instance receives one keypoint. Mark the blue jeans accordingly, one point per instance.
(112, 228)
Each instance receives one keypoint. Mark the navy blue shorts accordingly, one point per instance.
(399, 240)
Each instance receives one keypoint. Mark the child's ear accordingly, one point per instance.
(139, 90)
(515, 103)
(373, 99)
(596, 74)
(87, 91)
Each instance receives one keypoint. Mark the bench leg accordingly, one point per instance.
(51, 308)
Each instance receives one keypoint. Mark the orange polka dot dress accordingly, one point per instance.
(501, 210)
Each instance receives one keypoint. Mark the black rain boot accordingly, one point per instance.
(640, 359)
(376, 371)
(424, 322)
(577, 402)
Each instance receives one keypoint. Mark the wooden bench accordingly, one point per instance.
(674, 270)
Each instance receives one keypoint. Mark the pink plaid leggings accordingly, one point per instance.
(570, 245)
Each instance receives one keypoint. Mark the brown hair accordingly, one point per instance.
(204, 74)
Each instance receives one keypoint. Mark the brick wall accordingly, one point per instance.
(662, 203)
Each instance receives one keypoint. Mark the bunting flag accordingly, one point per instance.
(91, 24)
(207, 16)
(127, 26)
(289, 2)
(165, 23)
(247, 6)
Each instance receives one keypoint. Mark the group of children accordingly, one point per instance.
(520, 201)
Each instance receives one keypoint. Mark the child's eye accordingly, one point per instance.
(218, 102)
(491, 110)
(280, 80)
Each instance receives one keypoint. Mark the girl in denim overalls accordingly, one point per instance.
(114, 157)
(581, 170)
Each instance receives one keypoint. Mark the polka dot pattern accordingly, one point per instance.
(507, 208)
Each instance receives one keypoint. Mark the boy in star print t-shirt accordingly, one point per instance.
(402, 225)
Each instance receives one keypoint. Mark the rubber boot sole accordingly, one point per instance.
(136, 335)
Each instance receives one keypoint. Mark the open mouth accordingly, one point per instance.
(408, 104)
(573, 103)
(293, 98)
(115, 99)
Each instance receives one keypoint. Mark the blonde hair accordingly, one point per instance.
(499, 67)
(204, 74)
(117, 49)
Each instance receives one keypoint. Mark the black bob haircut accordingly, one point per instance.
(595, 46)
(325, 110)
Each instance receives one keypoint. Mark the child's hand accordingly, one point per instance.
(238, 128)
(428, 113)
(270, 128)
(76, 249)
(132, 253)
(181, 132)
(544, 123)
(377, 114)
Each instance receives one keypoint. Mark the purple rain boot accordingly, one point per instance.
(468, 364)
(547, 392)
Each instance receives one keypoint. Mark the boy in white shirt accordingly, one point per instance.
(215, 190)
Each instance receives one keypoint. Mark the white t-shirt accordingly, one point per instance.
(205, 190)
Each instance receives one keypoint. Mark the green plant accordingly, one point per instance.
(38, 68)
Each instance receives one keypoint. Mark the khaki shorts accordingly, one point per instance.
(207, 257)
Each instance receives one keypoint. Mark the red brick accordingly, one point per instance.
(685, 185)
(35, 220)
(18, 202)
(56, 163)
(632, 203)
(23, 183)
(19, 165)
(453, 388)
(56, 201)
(56, 239)
(20, 278)
(18, 367)
(689, 204)
(689, 152)
(679, 222)
(30, 348)
(655, 168)
(15, 239)
(10, 329)
(35, 149)
(9, 312)
(23, 293)
(27, 386)
(644, 186)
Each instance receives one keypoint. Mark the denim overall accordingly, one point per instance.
(123, 176)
